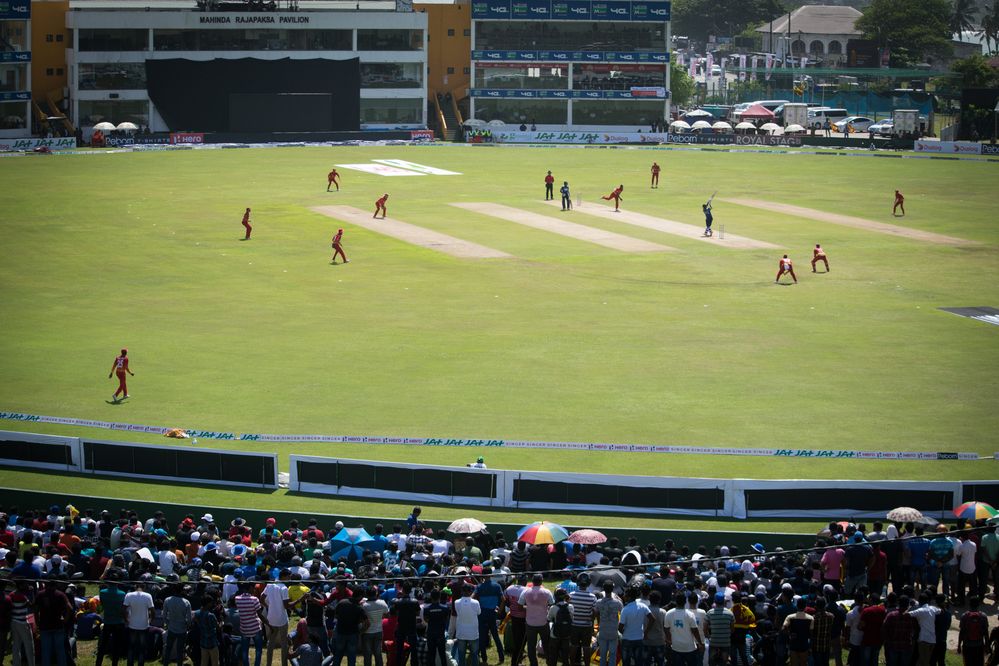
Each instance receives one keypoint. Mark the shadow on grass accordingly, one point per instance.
(174, 483)
(589, 517)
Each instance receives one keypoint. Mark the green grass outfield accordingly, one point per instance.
(568, 341)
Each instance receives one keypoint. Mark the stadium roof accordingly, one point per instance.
(817, 20)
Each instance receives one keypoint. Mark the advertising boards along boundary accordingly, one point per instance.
(505, 443)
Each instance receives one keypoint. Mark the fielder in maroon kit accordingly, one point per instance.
(616, 196)
(120, 367)
(380, 206)
(246, 223)
(331, 179)
(337, 249)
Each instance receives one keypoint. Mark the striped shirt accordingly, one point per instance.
(720, 622)
(249, 618)
(20, 607)
(582, 608)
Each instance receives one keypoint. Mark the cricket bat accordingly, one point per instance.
(712, 198)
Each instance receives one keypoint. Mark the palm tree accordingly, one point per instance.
(963, 16)
(990, 27)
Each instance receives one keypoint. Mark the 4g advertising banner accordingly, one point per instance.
(573, 10)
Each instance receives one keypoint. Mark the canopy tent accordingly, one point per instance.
(700, 113)
(757, 112)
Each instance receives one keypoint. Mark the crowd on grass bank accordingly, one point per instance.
(143, 589)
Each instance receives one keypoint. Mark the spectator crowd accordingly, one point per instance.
(89, 585)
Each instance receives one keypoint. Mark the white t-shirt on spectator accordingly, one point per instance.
(275, 595)
(968, 550)
(467, 625)
(441, 547)
(681, 624)
(138, 604)
(168, 559)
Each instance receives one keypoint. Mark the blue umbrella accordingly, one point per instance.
(350, 542)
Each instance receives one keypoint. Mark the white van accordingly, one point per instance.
(817, 117)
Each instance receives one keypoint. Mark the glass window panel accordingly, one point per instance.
(369, 39)
(13, 115)
(616, 112)
(392, 111)
(252, 40)
(539, 76)
(517, 111)
(99, 39)
(14, 77)
(113, 76)
(616, 77)
(391, 75)
(114, 111)
(562, 35)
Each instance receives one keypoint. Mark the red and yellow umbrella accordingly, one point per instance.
(975, 511)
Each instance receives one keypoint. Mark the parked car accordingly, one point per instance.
(882, 128)
(858, 123)
(818, 116)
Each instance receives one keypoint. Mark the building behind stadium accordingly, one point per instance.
(330, 65)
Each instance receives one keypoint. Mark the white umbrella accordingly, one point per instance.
(679, 124)
(794, 128)
(497, 123)
(128, 127)
(698, 113)
(721, 125)
(745, 125)
(905, 514)
(105, 127)
(701, 124)
(474, 122)
(770, 127)
(467, 526)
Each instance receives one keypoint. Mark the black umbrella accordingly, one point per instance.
(598, 576)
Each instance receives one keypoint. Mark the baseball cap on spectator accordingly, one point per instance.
(758, 547)
(210, 547)
(338, 525)
(208, 518)
(238, 550)
(195, 536)
(271, 522)
(720, 598)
